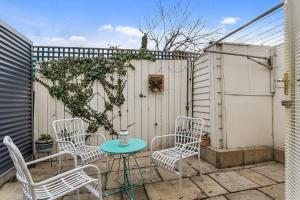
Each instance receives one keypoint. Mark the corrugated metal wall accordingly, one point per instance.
(15, 93)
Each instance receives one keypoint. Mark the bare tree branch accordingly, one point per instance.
(175, 29)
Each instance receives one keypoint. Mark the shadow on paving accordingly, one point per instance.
(260, 181)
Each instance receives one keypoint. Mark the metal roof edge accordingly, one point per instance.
(13, 30)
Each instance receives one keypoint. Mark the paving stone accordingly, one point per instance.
(275, 172)
(209, 186)
(40, 173)
(206, 167)
(187, 171)
(256, 177)
(114, 179)
(217, 198)
(142, 162)
(143, 154)
(169, 190)
(116, 196)
(233, 182)
(86, 196)
(274, 191)
(260, 164)
(248, 195)
(11, 190)
(139, 193)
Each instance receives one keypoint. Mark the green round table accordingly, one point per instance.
(123, 154)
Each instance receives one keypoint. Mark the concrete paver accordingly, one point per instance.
(205, 166)
(256, 177)
(275, 172)
(233, 182)
(258, 181)
(274, 191)
(217, 198)
(169, 190)
(187, 171)
(11, 190)
(209, 186)
(248, 195)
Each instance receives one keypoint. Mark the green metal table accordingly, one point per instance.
(122, 154)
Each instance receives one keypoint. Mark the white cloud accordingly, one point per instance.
(127, 30)
(59, 41)
(106, 27)
(77, 38)
(230, 20)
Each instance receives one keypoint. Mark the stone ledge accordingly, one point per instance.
(279, 155)
(223, 158)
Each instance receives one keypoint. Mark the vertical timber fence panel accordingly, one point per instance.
(151, 113)
(15, 94)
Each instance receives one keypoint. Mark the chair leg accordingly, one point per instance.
(107, 165)
(151, 170)
(180, 180)
(59, 164)
(199, 163)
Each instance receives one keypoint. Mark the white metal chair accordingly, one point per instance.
(54, 187)
(71, 137)
(187, 138)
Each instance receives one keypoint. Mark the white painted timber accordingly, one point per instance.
(152, 115)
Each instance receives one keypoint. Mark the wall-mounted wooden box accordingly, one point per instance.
(156, 82)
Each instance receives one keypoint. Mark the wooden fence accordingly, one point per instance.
(153, 114)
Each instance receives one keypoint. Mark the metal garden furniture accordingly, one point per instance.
(123, 154)
(187, 138)
(54, 187)
(71, 137)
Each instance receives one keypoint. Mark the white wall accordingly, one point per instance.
(155, 108)
(247, 98)
(281, 114)
(207, 102)
(240, 99)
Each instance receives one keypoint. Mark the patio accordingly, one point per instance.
(260, 181)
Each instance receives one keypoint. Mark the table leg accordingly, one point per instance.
(143, 181)
(108, 173)
(127, 185)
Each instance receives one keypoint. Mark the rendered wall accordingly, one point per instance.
(281, 113)
(247, 110)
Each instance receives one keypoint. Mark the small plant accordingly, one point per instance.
(44, 143)
(205, 140)
(156, 83)
(45, 137)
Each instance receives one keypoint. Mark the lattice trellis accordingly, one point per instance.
(48, 52)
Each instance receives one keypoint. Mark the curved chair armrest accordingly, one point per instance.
(187, 144)
(98, 134)
(160, 136)
(59, 176)
(53, 156)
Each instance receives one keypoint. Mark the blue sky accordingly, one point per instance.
(99, 23)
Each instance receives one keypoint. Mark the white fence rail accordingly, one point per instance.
(153, 114)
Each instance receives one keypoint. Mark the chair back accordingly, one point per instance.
(69, 130)
(187, 130)
(23, 174)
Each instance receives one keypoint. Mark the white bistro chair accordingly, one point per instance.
(187, 138)
(71, 137)
(54, 187)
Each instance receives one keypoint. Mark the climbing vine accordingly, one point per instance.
(71, 80)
